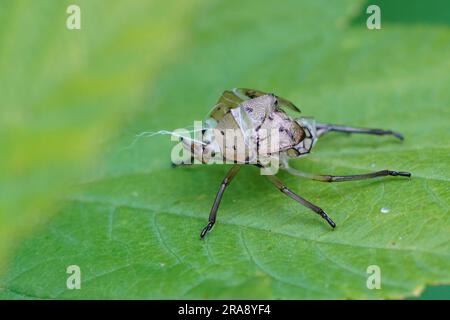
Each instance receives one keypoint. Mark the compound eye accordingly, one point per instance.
(293, 153)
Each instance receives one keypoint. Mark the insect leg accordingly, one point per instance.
(323, 128)
(353, 177)
(280, 185)
(182, 164)
(213, 214)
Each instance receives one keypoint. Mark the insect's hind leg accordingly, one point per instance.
(323, 128)
(280, 185)
(213, 214)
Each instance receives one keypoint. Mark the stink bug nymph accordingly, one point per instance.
(255, 118)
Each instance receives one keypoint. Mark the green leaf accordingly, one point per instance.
(65, 92)
(133, 228)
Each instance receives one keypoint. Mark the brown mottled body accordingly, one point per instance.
(244, 130)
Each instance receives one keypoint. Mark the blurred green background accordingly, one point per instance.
(75, 189)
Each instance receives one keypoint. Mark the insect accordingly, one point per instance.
(255, 117)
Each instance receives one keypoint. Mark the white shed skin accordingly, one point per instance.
(246, 130)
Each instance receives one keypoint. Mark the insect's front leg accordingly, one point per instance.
(323, 128)
(352, 177)
(213, 214)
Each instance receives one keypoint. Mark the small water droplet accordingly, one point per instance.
(135, 194)
(162, 265)
(385, 210)
(373, 165)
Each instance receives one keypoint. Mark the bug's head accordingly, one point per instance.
(308, 140)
